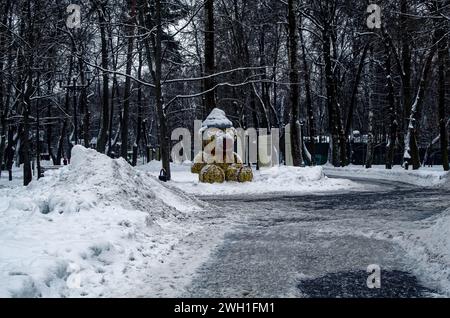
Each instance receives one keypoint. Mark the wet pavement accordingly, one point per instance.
(315, 245)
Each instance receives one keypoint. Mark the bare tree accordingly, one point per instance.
(127, 90)
(210, 99)
(103, 134)
(295, 135)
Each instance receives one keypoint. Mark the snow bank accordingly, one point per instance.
(92, 179)
(423, 177)
(288, 174)
(281, 179)
(88, 229)
(429, 246)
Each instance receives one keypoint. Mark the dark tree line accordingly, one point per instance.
(133, 70)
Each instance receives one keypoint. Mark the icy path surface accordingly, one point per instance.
(321, 245)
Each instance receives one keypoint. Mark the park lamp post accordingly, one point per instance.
(73, 86)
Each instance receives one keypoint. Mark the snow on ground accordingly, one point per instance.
(94, 228)
(429, 245)
(17, 180)
(425, 176)
(426, 242)
(100, 228)
(17, 175)
(281, 179)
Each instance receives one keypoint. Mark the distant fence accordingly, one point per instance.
(357, 154)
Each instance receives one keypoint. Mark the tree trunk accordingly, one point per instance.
(27, 92)
(38, 141)
(349, 122)
(331, 97)
(209, 83)
(62, 137)
(147, 145)
(405, 74)
(139, 114)
(25, 141)
(294, 91)
(2, 138)
(3, 105)
(370, 132)
(127, 91)
(406, 57)
(49, 130)
(411, 154)
(144, 19)
(9, 153)
(309, 106)
(84, 107)
(442, 76)
(343, 138)
(164, 137)
(393, 123)
(103, 133)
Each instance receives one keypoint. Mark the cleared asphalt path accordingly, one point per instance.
(291, 246)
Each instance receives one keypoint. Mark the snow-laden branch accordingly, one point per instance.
(137, 80)
(226, 84)
(177, 80)
(192, 79)
(312, 19)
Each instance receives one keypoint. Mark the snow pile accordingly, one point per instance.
(93, 178)
(280, 179)
(423, 177)
(429, 246)
(282, 174)
(89, 229)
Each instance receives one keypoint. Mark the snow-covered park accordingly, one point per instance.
(102, 228)
(224, 149)
(92, 227)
